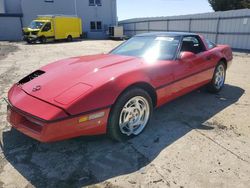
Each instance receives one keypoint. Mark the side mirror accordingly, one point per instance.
(186, 56)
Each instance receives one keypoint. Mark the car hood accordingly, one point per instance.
(64, 81)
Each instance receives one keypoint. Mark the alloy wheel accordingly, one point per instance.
(134, 116)
(219, 76)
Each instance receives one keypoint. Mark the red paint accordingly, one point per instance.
(55, 131)
(80, 85)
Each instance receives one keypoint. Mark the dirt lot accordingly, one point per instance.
(199, 140)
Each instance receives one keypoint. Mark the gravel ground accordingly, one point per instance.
(198, 140)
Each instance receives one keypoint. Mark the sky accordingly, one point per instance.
(150, 8)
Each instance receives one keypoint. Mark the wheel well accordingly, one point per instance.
(224, 61)
(148, 88)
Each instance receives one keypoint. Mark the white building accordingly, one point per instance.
(96, 15)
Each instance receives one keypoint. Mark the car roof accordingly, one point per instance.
(172, 34)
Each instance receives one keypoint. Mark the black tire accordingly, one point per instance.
(212, 87)
(114, 130)
(29, 42)
(42, 39)
(69, 38)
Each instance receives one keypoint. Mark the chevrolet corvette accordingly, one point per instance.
(115, 93)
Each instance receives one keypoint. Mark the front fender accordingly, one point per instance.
(105, 95)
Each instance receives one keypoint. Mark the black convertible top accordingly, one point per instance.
(158, 34)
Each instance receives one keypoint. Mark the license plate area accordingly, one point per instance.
(17, 120)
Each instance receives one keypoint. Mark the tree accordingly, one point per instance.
(223, 5)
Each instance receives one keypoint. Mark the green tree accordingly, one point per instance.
(223, 5)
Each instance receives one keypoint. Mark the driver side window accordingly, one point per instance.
(47, 27)
(192, 44)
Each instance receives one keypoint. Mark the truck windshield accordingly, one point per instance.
(36, 25)
(150, 47)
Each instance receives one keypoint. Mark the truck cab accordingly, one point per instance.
(38, 30)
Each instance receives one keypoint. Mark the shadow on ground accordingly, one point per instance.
(52, 42)
(86, 161)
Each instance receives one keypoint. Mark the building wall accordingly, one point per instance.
(228, 27)
(2, 6)
(105, 13)
(8, 32)
(13, 6)
(33, 8)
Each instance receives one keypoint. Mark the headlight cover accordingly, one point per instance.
(72, 93)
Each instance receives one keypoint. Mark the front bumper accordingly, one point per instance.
(30, 38)
(45, 131)
(47, 123)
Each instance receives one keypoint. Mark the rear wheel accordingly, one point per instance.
(130, 115)
(218, 80)
(69, 38)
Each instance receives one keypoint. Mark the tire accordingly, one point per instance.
(218, 80)
(43, 39)
(29, 42)
(117, 129)
(69, 38)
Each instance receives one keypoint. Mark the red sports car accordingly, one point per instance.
(115, 93)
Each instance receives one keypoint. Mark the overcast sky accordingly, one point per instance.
(148, 8)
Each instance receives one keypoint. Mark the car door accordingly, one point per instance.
(47, 30)
(194, 71)
(161, 71)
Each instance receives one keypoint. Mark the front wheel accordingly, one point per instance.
(29, 41)
(219, 77)
(43, 40)
(130, 114)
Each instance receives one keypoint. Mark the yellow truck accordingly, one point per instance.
(53, 27)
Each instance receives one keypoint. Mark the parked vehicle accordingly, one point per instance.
(116, 32)
(115, 93)
(53, 27)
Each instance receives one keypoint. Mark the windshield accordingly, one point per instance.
(36, 25)
(149, 47)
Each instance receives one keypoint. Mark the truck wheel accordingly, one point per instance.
(29, 41)
(43, 39)
(130, 114)
(69, 38)
(218, 80)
